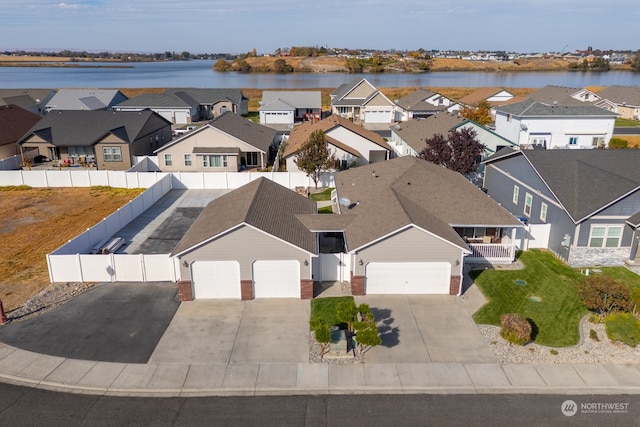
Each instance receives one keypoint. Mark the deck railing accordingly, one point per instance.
(491, 253)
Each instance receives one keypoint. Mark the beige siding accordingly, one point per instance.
(411, 244)
(218, 107)
(247, 245)
(363, 90)
(112, 141)
(379, 101)
(43, 147)
(207, 137)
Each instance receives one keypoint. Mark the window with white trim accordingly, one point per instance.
(597, 141)
(516, 194)
(168, 160)
(112, 154)
(573, 140)
(214, 161)
(528, 201)
(605, 236)
(543, 211)
(252, 158)
(187, 159)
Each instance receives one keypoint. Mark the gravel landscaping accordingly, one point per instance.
(587, 351)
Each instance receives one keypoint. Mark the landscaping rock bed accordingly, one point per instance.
(587, 351)
(49, 298)
(314, 355)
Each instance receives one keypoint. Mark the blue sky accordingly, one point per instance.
(237, 26)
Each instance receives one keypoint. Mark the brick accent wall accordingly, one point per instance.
(246, 289)
(357, 285)
(454, 285)
(306, 288)
(185, 292)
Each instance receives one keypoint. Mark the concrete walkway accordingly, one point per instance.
(25, 368)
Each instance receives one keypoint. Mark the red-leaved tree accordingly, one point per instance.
(458, 152)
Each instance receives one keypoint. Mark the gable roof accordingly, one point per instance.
(85, 128)
(531, 108)
(407, 191)
(415, 101)
(343, 94)
(301, 133)
(629, 95)
(211, 96)
(25, 98)
(416, 132)
(483, 94)
(241, 128)
(584, 181)
(160, 100)
(560, 95)
(84, 99)
(263, 204)
(14, 122)
(290, 100)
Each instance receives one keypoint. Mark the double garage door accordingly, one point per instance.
(408, 278)
(221, 279)
(381, 116)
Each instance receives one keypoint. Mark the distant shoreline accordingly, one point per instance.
(57, 65)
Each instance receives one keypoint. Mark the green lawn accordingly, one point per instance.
(548, 298)
(254, 116)
(325, 309)
(322, 196)
(325, 210)
(627, 122)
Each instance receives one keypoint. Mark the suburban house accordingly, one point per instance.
(408, 226)
(187, 105)
(352, 144)
(289, 107)
(360, 102)
(422, 103)
(14, 122)
(249, 244)
(178, 108)
(584, 205)
(105, 139)
(495, 96)
(84, 99)
(624, 100)
(32, 100)
(409, 138)
(533, 124)
(405, 226)
(230, 143)
(561, 95)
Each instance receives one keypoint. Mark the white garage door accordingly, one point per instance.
(182, 116)
(215, 279)
(408, 278)
(377, 116)
(276, 279)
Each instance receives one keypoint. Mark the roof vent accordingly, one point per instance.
(555, 102)
(344, 201)
(353, 205)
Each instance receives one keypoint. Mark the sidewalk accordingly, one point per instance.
(25, 368)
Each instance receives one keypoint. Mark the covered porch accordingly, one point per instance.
(489, 245)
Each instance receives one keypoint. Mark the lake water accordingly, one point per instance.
(199, 73)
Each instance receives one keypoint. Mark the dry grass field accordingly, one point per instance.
(36, 221)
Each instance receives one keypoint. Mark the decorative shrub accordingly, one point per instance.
(635, 299)
(624, 327)
(594, 318)
(553, 352)
(605, 295)
(593, 335)
(618, 143)
(515, 328)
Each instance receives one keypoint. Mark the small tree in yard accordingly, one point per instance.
(458, 152)
(365, 330)
(347, 312)
(322, 332)
(480, 114)
(314, 157)
(605, 295)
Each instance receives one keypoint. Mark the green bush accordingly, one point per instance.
(515, 328)
(594, 318)
(593, 335)
(623, 327)
(635, 298)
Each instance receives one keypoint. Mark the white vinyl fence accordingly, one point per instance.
(74, 262)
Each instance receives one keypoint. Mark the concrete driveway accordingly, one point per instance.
(425, 328)
(236, 332)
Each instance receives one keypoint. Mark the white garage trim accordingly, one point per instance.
(276, 279)
(406, 278)
(215, 279)
(378, 116)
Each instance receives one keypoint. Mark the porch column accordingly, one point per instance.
(512, 251)
(634, 245)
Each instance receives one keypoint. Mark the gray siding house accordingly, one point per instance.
(584, 205)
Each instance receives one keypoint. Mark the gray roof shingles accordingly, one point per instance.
(263, 204)
(531, 108)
